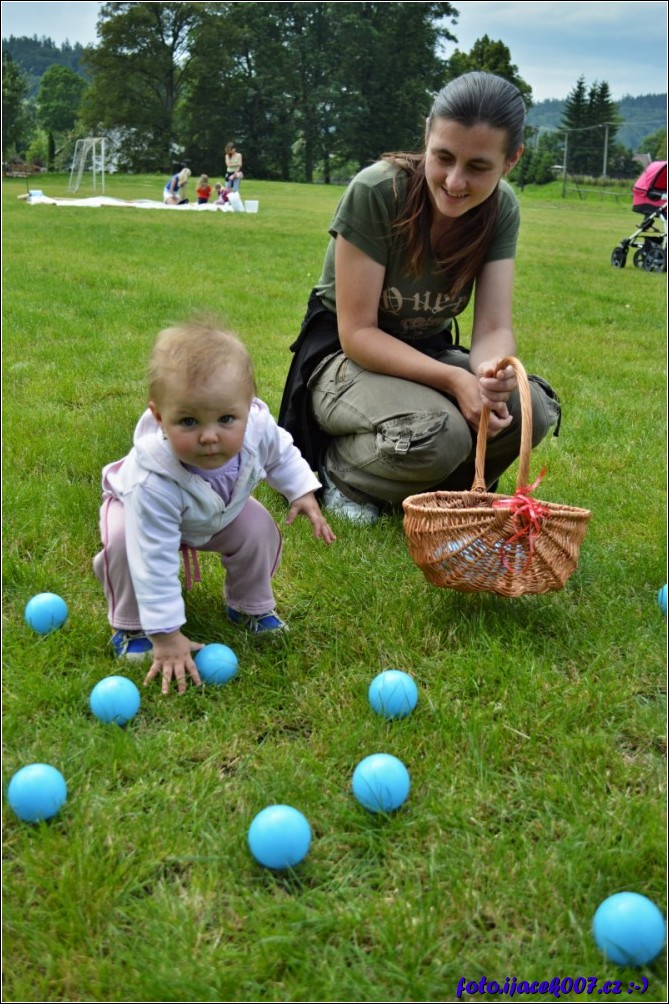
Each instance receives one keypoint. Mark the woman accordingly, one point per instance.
(175, 189)
(378, 396)
(233, 167)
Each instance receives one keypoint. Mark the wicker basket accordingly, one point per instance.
(477, 541)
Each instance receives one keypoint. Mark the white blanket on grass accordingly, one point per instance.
(104, 200)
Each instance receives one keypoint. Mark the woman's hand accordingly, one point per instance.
(472, 396)
(307, 505)
(496, 386)
(172, 660)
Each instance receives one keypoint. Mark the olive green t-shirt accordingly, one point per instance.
(413, 309)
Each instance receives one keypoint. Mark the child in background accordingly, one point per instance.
(204, 444)
(222, 194)
(203, 190)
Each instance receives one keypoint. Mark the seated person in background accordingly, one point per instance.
(175, 189)
(203, 190)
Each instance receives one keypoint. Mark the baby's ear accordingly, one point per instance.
(154, 411)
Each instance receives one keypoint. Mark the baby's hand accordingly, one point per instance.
(309, 507)
(172, 659)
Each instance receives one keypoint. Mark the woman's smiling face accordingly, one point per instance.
(464, 164)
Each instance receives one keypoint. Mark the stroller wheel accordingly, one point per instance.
(619, 257)
(639, 258)
(655, 259)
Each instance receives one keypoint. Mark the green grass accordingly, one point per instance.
(537, 748)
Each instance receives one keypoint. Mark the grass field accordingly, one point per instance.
(536, 752)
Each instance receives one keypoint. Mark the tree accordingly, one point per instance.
(543, 154)
(621, 163)
(655, 145)
(377, 107)
(302, 85)
(140, 69)
(244, 85)
(35, 56)
(16, 123)
(490, 57)
(591, 121)
(58, 103)
(603, 113)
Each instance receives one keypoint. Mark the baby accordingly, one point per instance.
(201, 448)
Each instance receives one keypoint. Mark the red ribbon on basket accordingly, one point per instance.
(529, 514)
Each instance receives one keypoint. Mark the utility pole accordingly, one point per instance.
(564, 165)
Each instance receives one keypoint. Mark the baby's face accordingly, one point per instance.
(205, 425)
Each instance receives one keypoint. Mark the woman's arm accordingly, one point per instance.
(492, 335)
(359, 285)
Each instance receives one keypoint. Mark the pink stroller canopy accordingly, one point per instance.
(650, 189)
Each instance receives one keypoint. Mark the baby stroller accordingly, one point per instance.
(649, 196)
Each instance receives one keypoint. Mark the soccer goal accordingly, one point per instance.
(95, 147)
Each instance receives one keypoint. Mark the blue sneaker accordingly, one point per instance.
(257, 623)
(131, 645)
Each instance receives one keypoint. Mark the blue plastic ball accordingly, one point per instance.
(381, 782)
(393, 694)
(115, 700)
(46, 612)
(662, 599)
(279, 837)
(629, 929)
(216, 663)
(36, 792)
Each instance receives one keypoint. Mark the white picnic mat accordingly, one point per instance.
(40, 199)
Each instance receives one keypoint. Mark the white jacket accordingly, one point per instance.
(167, 506)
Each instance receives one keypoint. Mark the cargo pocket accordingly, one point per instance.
(415, 444)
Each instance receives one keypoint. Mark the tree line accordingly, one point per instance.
(308, 91)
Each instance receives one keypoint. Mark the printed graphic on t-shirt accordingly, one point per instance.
(430, 308)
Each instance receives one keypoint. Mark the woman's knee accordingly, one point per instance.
(545, 413)
(421, 448)
(429, 443)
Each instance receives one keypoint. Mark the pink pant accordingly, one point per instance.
(250, 550)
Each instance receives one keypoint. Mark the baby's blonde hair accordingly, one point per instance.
(195, 351)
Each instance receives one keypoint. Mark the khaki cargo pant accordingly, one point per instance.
(393, 438)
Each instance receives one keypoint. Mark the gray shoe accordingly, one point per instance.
(334, 500)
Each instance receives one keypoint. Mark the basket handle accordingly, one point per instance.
(525, 430)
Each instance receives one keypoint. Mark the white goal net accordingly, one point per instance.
(93, 147)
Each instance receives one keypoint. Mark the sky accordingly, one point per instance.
(551, 43)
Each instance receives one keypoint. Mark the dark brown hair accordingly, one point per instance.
(472, 99)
